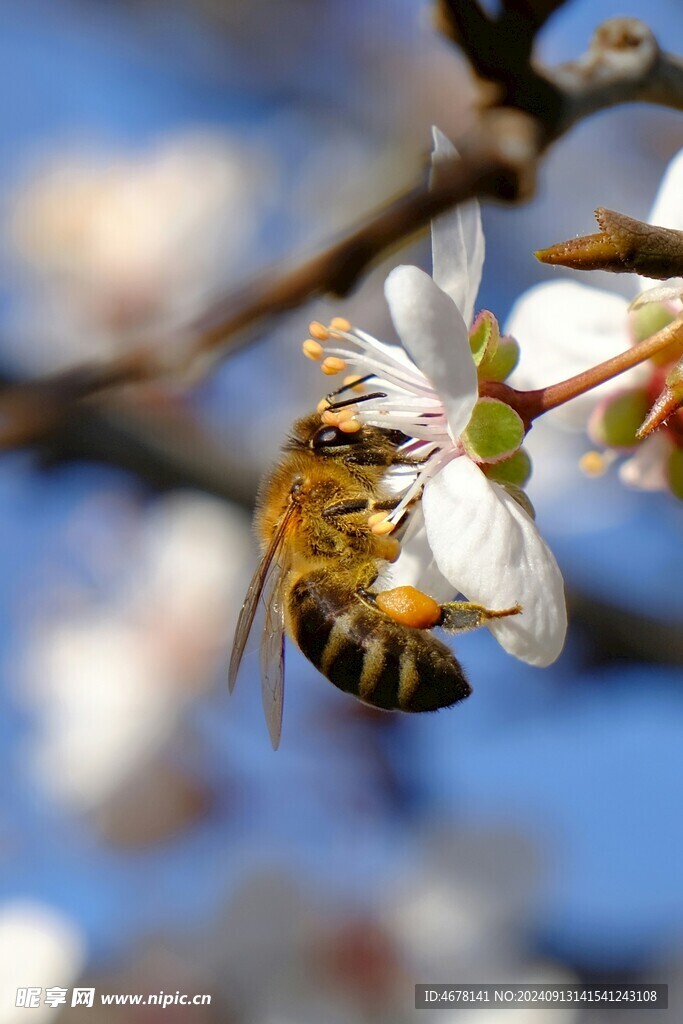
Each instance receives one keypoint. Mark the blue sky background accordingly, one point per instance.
(583, 761)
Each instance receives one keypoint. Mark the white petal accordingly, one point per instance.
(564, 328)
(416, 566)
(646, 469)
(491, 551)
(457, 242)
(667, 291)
(436, 338)
(668, 207)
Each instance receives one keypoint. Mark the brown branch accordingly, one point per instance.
(499, 159)
(495, 170)
(499, 50)
(531, 404)
(148, 433)
(624, 64)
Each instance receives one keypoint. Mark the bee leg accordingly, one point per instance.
(409, 607)
(348, 516)
(384, 505)
(366, 576)
(410, 460)
(350, 506)
(346, 508)
(462, 616)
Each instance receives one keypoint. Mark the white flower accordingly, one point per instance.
(41, 948)
(471, 536)
(117, 246)
(108, 683)
(667, 212)
(564, 327)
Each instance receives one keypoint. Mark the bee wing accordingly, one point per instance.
(273, 657)
(268, 571)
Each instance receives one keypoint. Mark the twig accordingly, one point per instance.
(624, 64)
(499, 159)
(531, 404)
(163, 448)
(491, 172)
(153, 437)
(500, 49)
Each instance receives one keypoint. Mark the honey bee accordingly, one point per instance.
(320, 562)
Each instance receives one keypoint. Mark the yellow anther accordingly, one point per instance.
(379, 524)
(340, 323)
(322, 405)
(335, 417)
(312, 349)
(594, 463)
(352, 381)
(318, 331)
(383, 528)
(350, 426)
(332, 365)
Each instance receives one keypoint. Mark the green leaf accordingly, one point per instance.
(615, 422)
(494, 432)
(675, 472)
(502, 363)
(484, 335)
(515, 470)
(649, 319)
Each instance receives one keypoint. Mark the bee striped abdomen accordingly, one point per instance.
(367, 654)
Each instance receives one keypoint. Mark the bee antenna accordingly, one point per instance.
(357, 400)
(347, 387)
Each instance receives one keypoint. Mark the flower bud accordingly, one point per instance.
(616, 421)
(669, 400)
(623, 245)
(484, 337)
(647, 320)
(503, 362)
(494, 432)
(515, 470)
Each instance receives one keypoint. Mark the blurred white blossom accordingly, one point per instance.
(39, 947)
(108, 682)
(116, 246)
(288, 947)
(564, 327)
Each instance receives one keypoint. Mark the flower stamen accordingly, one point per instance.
(350, 426)
(312, 349)
(332, 365)
(596, 463)
(317, 330)
(380, 524)
(408, 402)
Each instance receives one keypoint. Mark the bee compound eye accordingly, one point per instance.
(330, 437)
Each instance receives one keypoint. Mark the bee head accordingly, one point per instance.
(327, 437)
